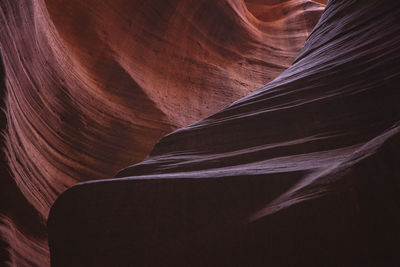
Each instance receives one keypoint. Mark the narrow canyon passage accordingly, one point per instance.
(301, 172)
(91, 86)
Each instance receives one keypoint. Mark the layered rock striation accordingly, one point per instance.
(302, 172)
(90, 87)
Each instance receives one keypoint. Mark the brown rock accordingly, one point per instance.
(91, 86)
(302, 172)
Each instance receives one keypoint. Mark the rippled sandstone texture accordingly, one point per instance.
(302, 172)
(90, 86)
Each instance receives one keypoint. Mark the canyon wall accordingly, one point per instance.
(90, 86)
(302, 172)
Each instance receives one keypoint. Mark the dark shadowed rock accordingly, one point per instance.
(302, 172)
(91, 86)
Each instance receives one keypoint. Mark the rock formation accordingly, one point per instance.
(302, 172)
(90, 87)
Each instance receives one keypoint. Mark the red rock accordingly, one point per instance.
(92, 86)
(302, 172)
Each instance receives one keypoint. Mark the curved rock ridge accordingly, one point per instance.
(302, 172)
(195, 56)
(91, 86)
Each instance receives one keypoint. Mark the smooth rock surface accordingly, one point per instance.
(302, 172)
(91, 86)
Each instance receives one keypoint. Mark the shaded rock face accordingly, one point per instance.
(90, 86)
(302, 172)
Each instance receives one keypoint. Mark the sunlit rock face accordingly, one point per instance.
(90, 86)
(302, 172)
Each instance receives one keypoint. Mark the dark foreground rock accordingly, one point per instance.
(302, 172)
